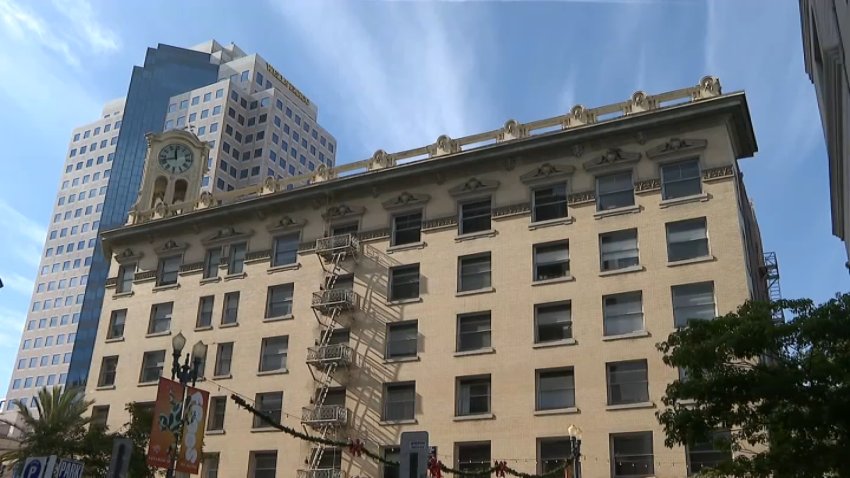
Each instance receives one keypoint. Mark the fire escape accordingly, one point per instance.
(334, 302)
(771, 275)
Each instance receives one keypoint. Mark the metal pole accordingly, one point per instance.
(578, 458)
(183, 373)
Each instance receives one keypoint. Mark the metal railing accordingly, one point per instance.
(340, 244)
(334, 415)
(341, 354)
(321, 473)
(335, 298)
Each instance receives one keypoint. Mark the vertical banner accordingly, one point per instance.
(166, 422)
(195, 419)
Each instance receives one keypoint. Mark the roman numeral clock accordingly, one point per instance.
(175, 164)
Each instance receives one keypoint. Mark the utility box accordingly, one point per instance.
(413, 460)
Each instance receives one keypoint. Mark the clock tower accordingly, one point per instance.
(175, 164)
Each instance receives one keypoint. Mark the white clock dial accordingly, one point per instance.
(175, 158)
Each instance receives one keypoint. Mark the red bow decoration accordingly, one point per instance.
(501, 468)
(434, 467)
(356, 447)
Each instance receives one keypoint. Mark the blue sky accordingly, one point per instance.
(395, 75)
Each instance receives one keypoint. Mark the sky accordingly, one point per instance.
(396, 75)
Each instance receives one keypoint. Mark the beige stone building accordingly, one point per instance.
(492, 290)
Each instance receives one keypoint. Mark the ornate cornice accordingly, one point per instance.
(256, 256)
(647, 185)
(144, 276)
(128, 256)
(227, 234)
(374, 234)
(286, 223)
(474, 186)
(193, 267)
(582, 197)
(676, 146)
(437, 223)
(171, 247)
(405, 200)
(716, 174)
(518, 209)
(613, 158)
(547, 172)
(342, 211)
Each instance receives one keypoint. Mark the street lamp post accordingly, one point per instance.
(184, 373)
(575, 449)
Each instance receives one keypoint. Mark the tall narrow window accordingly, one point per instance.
(263, 464)
(230, 313)
(687, 240)
(210, 466)
(550, 202)
(116, 324)
(709, 453)
(152, 364)
(126, 274)
(627, 382)
(618, 250)
(211, 261)
(160, 318)
(552, 260)
(555, 389)
(273, 353)
(99, 416)
(680, 179)
(108, 367)
(402, 339)
(473, 395)
(218, 406)
(473, 456)
(205, 311)
(223, 357)
(404, 282)
(407, 228)
(473, 331)
(279, 301)
(474, 272)
(271, 404)
(614, 191)
(285, 250)
(475, 216)
(554, 453)
(693, 302)
(237, 257)
(552, 322)
(399, 401)
(631, 455)
(622, 313)
(168, 269)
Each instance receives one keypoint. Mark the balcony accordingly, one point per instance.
(340, 299)
(326, 415)
(323, 355)
(321, 473)
(345, 244)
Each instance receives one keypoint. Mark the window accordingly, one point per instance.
(680, 179)
(475, 216)
(555, 389)
(404, 282)
(210, 466)
(407, 228)
(627, 382)
(160, 318)
(686, 240)
(399, 401)
(217, 110)
(116, 324)
(549, 202)
(126, 274)
(472, 457)
(709, 453)
(152, 364)
(211, 261)
(279, 301)
(552, 322)
(622, 313)
(618, 250)
(223, 357)
(474, 272)
(99, 416)
(552, 260)
(391, 454)
(168, 269)
(231, 308)
(473, 395)
(263, 464)
(631, 455)
(237, 257)
(273, 354)
(205, 310)
(473, 331)
(402, 339)
(285, 250)
(108, 367)
(693, 302)
(614, 191)
(270, 403)
(218, 406)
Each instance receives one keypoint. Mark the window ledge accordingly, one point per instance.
(265, 430)
(278, 318)
(695, 260)
(285, 267)
(231, 324)
(561, 221)
(401, 360)
(631, 335)
(484, 351)
(465, 293)
(406, 421)
(158, 334)
(617, 212)
(222, 377)
(624, 270)
(702, 197)
(210, 280)
(105, 387)
(238, 275)
(556, 411)
(114, 339)
(406, 247)
(148, 384)
(215, 432)
(273, 372)
(119, 295)
(468, 418)
(414, 300)
(475, 235)
(554, 343)
(630, 406)
(556, 280)
(161, 288)
(204, 328)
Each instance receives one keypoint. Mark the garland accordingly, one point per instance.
(357, 447)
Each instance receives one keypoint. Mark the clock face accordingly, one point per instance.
(175, 158)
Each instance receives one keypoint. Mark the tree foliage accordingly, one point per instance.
(781, 388)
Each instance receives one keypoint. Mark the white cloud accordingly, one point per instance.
(81, 15)
(22, 237)
(11, 325)
(18, 283)
(26, 26)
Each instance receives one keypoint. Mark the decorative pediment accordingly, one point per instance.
(474, 186)
(171, 247)
(547, 172)
(227, 234)
(286, 223)
(128, 256)
(342, 211)
(675, 146)
(612, 158)
(406, 199)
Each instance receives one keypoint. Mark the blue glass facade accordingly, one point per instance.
(167, 71)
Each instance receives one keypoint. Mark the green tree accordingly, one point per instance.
(781, 388)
